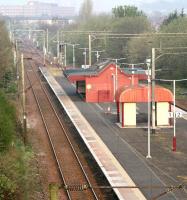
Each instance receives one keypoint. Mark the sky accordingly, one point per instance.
(107, 5)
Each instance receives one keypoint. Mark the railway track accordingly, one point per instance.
(71, 171)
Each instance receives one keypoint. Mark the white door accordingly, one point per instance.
(129, 114)
(162, 113)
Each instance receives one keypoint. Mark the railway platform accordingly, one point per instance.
(111, 168)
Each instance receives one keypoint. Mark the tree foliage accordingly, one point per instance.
(114, 48)
(127, 11)
(128, 25)
(176, 62)
(86, 10)
(173, 16)
(17, 174)
(5, 50)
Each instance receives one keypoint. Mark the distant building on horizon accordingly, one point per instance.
(36, 9)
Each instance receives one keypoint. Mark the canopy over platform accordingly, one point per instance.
(139, 94)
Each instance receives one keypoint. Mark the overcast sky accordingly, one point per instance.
(107, 5)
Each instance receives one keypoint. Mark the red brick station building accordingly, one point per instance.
(107, 82)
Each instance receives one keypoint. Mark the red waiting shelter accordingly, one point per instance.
(128, 97)
(99, 83)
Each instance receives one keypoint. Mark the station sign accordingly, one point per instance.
(177, 114)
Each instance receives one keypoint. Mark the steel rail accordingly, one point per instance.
(50, 139)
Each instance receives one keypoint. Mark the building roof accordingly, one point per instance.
(94, 70)
(79, 71)
(139, 72)
(78, 74)
(131, 71)
(135, 94)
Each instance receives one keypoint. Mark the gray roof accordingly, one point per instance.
(98, 67)
(131, 71)
(93, 70)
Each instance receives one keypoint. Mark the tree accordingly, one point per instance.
(118, 11)
(182, 13)
(177, 64)
(86, 10)
(173, 16)
(101, 22)
(138, 49)
(7, 123)
(5, 51)
(129, 25)
(17, 172)
(127, 11)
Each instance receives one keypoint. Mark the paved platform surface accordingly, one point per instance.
(129, 146)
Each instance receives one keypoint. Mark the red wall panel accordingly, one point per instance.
(105, 82)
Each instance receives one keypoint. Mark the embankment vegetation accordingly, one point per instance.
(17, 172)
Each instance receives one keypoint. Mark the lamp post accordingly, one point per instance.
(97, 54)
(59, 51)
(44, 50)
(65, 56)
(47, 41)
(73, 45)
(153, 90)
(148, 61)
(58, 43)
(85, 55)
(90, 50)
(61, 46)
(29, 34)
(116, 61)
(174, 117)
(116, 74)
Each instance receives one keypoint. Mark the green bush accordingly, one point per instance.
(7, 123)
(17, 173)
(7, 187)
